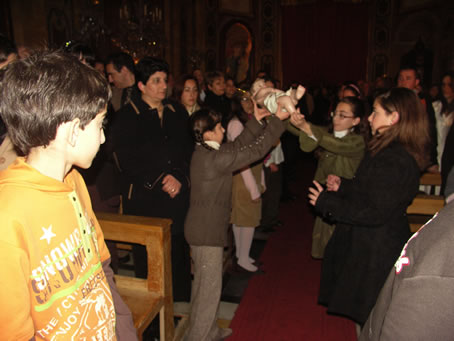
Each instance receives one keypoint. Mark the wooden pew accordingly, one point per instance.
(422, 209)
(431, 180)
(145, 297)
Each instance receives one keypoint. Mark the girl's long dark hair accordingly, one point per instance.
(412, 129)
(202, 121)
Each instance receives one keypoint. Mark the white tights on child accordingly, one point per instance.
(243, 241)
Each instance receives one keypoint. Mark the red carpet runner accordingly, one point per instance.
(282, 303)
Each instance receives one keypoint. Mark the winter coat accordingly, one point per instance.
(371, 229)
(211, 179)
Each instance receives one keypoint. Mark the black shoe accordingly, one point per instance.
(268, 229)
(258, 263)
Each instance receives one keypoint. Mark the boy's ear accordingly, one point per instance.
(356, 121)
(208, 135)
(73, 131)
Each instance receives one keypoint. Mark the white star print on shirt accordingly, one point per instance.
(48, 234)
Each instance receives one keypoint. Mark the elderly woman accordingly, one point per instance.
(153, 149)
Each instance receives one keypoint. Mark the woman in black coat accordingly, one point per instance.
(153, 150)
(370, 209)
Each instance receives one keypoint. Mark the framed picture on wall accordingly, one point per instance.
(236, 6)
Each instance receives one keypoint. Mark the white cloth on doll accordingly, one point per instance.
(270, 100)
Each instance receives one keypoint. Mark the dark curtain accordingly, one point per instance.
(324, 42)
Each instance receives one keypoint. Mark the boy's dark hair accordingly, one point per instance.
(118, 60)
(81, 51)
(202, 121)
(43, 91)
(147, 66)
(211, 76)
(6, 48)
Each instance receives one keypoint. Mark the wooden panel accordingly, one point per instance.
(144, 305)
(426, 204)
(422, 209)
(431, 179)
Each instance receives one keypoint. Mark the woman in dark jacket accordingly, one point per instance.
(153, 149)
(370, 209)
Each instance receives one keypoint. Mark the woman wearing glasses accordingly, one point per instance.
(370, 209)
(341, 150)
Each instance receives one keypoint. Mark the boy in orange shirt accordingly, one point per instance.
(55, 282)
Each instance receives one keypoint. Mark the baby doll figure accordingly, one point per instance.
(271, 98)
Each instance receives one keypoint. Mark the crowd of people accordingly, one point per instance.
(208, 154)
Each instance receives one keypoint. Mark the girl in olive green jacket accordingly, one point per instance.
(341, 151)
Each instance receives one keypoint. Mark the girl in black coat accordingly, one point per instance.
(370, 209)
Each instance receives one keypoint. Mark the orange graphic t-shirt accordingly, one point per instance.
(52, 284)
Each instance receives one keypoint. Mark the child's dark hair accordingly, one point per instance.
(202, 121)
(43, 91)
(359, 109)
(354, 89)
(81, 51)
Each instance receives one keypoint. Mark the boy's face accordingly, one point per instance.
(218, 86)
(89, 141)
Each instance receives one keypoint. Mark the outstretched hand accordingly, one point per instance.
(314, 193)
(260, 113)
(299, 121)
